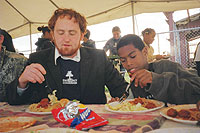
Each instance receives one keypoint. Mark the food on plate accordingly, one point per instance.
(144, 102)
(137, 104)
(63, 102)
(46, 106)
(198, 105)
(185, 114)
(172, 112)
(8, 124)
(150, 105)
(43, 103)
(127, 106)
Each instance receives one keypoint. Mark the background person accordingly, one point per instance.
(11, 63)
(75, 72)
(163, 80)
(111, 44)
(46, 40)
(148, 38)
(197, 58)
(87, 42)
(7, 41)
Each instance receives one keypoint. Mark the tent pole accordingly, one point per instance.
(133, 18)
(30, 37)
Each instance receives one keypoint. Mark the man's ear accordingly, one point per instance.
(82, 36)
(145, 51)
(53, 38)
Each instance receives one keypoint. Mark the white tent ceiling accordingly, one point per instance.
(22, 17)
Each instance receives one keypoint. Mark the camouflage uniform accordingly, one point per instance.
(12, 65)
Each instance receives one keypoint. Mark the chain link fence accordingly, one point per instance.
(181, 45)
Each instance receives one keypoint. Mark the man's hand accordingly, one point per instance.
(141, 77)
(32, 73)
(166, 56)
(158, 57)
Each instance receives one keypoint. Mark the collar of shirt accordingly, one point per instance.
(3, 48)
(116, 40)
(146, 44)
(3, 51)
(76, 58)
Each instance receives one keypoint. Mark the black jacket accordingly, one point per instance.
(43, 43)
(90, 43)
(96, 71)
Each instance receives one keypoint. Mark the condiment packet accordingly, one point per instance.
(78, 116)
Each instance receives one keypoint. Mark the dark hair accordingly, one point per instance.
(87, 34)
(116, 28)
(72, 14)
(43, 29)
(133, 39)
(148, 31)
(8, 43)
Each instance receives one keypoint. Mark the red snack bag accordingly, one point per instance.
(78, 117)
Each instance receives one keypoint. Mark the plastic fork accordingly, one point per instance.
(47, 85)
(126, 94)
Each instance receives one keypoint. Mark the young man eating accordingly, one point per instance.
(162, 80)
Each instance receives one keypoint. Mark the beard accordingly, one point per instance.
(68, 52)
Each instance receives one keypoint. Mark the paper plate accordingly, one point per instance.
(157, 103)
(179, 107)
(11, 124)
(59, 130)
(176, 130)
(37, 113)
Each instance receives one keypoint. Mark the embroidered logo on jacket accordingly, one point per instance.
(69, 79)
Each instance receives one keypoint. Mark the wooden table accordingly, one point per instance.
(117, 122)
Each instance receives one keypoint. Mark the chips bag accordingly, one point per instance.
(78, 116)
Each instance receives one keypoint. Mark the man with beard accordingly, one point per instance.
(75, 72)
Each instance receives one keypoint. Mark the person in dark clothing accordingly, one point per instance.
(111, 44)
(87, 42)
(76, 72)
(11, 63)
(162, 80)
(46, 40)
(197, 58)
(8, 43)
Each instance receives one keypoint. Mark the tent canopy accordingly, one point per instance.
(22, 17)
